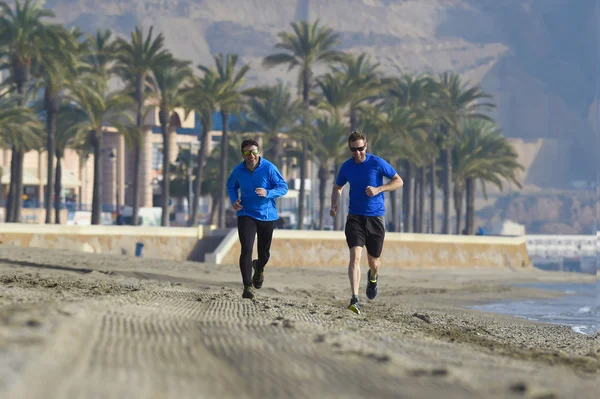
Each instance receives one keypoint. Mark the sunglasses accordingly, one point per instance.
(353, 149)
(248, 152)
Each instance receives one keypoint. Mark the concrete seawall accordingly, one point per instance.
(159, 242)
(290, 248)
(315, 248)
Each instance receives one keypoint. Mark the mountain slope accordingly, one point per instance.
(537, 57)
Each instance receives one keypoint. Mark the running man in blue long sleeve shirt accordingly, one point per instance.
(253, 186)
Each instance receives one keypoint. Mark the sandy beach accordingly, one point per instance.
(78, 325)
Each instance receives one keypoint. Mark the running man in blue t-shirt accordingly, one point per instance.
(365, 224)
(259, 183)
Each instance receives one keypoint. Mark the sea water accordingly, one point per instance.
(579, 308)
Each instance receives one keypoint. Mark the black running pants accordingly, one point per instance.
(248, 228)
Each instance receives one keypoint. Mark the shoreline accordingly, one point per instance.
(107, 318)
(577, 315)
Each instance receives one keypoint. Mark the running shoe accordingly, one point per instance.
(371, 286)
(354, 305)
(248, 292)
(258, 278)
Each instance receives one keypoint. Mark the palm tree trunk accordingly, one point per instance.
(139, 95)
(432, 195)
(415, 219)
(406, 190)
(223, 182)
(164, 199)
(16, 209)
(422, 186)
(470, 221)
(98, 177)
(57, 187)
(353, 120)
(458, 194)
(306, 78)
(51, 106)
(447, 181)
(277, 150)
(337, 220)
(137, 155)
(202, 153)
(19, 203)
(20, 76)
(12, 186)
(13, 196)
(323, 177)
(214, 210)
(301, 203)
(394, 206)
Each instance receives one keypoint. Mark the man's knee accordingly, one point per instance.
(374, 261)
(355, 254)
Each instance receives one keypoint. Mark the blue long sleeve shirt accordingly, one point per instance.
(243, 182)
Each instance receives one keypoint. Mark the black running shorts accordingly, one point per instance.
(366, 231)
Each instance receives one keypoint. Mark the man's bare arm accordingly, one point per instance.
(336, 193)
(395, 183)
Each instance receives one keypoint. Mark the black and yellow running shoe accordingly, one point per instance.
(248, 292)
(354, 305)
(371, 286)
(258, 278)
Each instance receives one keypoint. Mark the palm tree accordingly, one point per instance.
(414, 93)
(308, 46)
(362, 81)
(480, 153)
(24, 41)
(230, 99)
(67, 117)
(180, 173)
(99, 54)
(330, 136)
(333, 95)
(101, 109)
(273, 111)
(201, 97)
(169, 84)
(21, 130)
(455, 101)
(135, 61)
(54, 78)
(398, 133)
(501, 162)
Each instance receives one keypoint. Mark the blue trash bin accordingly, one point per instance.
(139, 247)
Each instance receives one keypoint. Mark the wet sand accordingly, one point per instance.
(77, 325)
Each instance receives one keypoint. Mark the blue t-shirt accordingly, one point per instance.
(267, 176)
(370, 172)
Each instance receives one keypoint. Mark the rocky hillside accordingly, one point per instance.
(537, 57)
(546, 213)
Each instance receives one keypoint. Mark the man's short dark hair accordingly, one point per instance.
(248, 143)
(357, 135)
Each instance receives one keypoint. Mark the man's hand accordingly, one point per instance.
(371, 191)
(237, 205)
(333, 211)
(261, 192)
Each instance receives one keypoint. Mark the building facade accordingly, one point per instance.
(117, 169)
